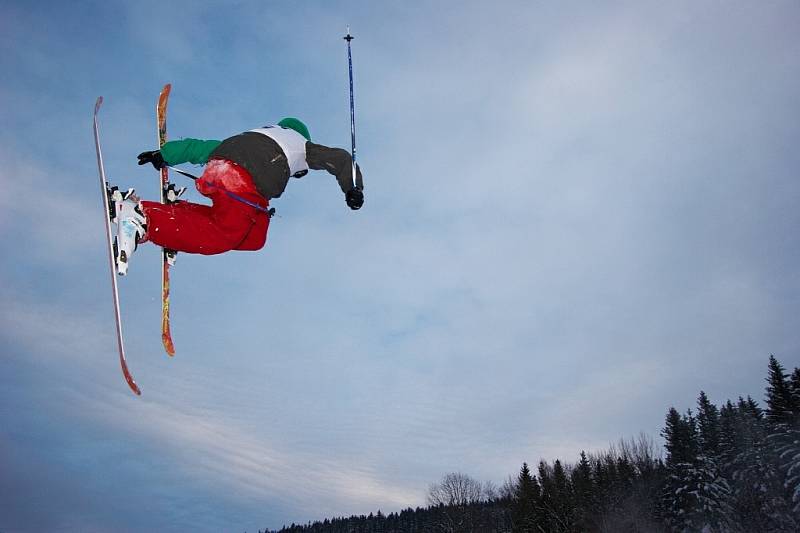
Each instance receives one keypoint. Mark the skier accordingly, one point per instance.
(242, 174)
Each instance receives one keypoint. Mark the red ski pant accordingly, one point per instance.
(227, 224)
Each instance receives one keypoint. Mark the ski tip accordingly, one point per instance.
(166, 340)
(134, 387)
(98, 103)
(128, 376)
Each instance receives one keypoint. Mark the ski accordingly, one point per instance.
(105, 190)
(167, 256)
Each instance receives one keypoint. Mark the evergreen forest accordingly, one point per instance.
(732, 468)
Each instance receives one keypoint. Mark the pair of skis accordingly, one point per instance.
(168, 256)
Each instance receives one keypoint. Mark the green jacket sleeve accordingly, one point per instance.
(188, 151)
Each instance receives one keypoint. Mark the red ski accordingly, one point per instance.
(168, 256)
(104, 189)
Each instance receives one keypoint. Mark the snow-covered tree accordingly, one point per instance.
(758, 498)
(783, 427)
(696, 496)
(789, 449)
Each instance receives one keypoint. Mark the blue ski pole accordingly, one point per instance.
(349, 38)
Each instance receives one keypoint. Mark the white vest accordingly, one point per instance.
(293, 145)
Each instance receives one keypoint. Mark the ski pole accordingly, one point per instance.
(349, 38)
(270, 211)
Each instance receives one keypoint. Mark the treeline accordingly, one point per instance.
(730, 468)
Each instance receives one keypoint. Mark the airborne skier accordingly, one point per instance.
(242, 174)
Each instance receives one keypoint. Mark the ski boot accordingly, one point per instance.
(126, 212)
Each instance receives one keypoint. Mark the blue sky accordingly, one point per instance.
(576, 216)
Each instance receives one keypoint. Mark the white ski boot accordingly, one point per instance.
(131, 227)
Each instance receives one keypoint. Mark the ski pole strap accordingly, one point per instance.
(270, 211)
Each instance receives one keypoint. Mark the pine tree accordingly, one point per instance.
(584, 493)
(546, 509)
(562, 495)
(782, 406)
(713, 491)
(554, 503)
(526, 500)
(677, 455)
(681, 437)
(708, 426)
(727, 430)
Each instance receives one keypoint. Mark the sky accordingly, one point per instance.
(577, 215)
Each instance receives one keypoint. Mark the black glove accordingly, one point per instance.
(154, 158)
(354, 198)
